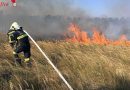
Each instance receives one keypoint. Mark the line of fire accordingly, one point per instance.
(76, 34)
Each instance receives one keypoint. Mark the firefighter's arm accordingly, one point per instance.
(11, 39)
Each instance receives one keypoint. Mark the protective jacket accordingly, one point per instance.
(19, 41)
(18, 38)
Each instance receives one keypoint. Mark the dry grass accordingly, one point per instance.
(85, 67)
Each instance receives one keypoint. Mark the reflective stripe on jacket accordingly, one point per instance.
(18, 38)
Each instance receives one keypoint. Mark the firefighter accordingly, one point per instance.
(19, 42)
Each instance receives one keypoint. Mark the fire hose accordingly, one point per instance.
(49, 61)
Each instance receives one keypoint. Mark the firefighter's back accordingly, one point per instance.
(22, 38)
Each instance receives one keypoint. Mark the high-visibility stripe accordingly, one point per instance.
(10, 39)
(22, 36)
(26, 59)
(14, 52)
(11, 32)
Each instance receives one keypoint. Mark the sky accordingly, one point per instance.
(96, 8)
(44, 16)
(100, 8)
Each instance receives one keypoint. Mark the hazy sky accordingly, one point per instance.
(96, 8)
(34, 15)
(114, 8)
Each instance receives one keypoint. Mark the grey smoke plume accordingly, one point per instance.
(120, 8)
(45, 18)
(40, 17)
(39, 7)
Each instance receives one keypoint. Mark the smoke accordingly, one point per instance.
(38, 7)
(50, 18)
(40, 17)
(120, 8)
(43, 8)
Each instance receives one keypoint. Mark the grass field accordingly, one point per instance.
(85, 67)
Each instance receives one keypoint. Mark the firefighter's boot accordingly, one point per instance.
(28, 62)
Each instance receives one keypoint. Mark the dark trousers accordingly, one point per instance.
(25, 50)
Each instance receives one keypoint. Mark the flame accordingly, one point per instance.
(98, 37)
(122, 41)
(76, 34)
(123, 38)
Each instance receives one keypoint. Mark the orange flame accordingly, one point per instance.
(123, 38)
(98, 37)
(78, 35)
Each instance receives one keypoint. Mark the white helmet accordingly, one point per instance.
(14, 26)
